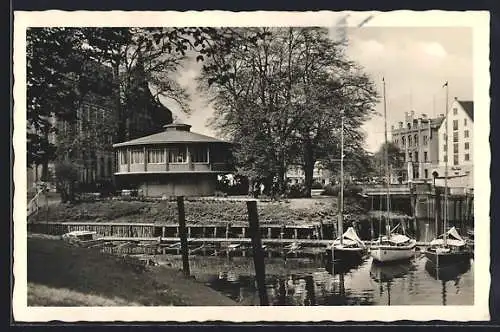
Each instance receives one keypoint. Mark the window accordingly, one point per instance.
(177, 154)
(455, 159)
(416, 157)
(455, 124)
(123, 157)
(409, 125)
(445, 158)
(445, 137)
(403, 141)
(426, 173)
(156, 156)
(445, 148)
(425, 140)
(409, 141)
(425, 157)
(198, 154)
(416, 140)
(465, 122)
(467, 157)
(455, 136)
(137, 156)
(409, 157)
(466, 145)
(455, 111)
(455, 148)
(466, 134)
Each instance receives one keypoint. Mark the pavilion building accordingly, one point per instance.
(174, 162)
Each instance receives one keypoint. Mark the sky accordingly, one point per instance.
(415, 63)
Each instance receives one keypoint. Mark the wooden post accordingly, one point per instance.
(269, 232)
(258, 253)
(183, 236)
(321, 230)
(227, 230)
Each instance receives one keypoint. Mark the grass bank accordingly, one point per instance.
(60, 274)
(203, 211)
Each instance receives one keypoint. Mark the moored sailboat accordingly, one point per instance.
(348, 247)
(448, 248)
(391, 246)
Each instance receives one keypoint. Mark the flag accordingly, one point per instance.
(446, 84)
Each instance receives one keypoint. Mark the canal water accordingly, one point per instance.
(305, 281)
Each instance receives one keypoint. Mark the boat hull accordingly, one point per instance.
(345, 254)
(388, 253)
(447, 258)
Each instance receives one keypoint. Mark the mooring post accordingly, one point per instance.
(258, 253)
(183, 236)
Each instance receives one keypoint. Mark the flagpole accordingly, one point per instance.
(386, 164)
(341, 208)
(445, 225)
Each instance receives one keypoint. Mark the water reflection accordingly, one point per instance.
(384, 275)
(310, 282)
(449, 275)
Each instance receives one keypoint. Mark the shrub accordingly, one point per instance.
(296, 191)
(316, 185)
(349, 190)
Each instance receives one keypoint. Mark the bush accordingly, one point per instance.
(349, 190)
(296, 191)
(316, 185)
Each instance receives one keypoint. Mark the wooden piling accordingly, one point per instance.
(183, 236)
(258, 253)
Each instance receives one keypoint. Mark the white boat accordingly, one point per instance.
(395, 247)
(392, 246)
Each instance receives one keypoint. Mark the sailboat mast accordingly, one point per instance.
(445, 224)
(341, 207)
(386, 163)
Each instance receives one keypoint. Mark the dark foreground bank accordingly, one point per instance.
(60, 274)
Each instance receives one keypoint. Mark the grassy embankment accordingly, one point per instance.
(293, 211)
(60, 274)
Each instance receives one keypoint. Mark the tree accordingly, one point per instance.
(395, 157)
(280, 99)
(67, 65)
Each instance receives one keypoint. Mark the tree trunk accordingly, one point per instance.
(250, 186)
(45, 171)
(308, 168)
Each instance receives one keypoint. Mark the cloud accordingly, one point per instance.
(434, 49)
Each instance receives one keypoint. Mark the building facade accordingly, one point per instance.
(456, 147)
(295, 174)
(87, 140)
(418, 138)
(174, 162)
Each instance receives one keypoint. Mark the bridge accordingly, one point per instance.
(381, 189)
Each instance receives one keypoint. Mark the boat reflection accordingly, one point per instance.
(447, 273)
(385, 274)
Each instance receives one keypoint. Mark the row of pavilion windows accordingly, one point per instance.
(174, 154)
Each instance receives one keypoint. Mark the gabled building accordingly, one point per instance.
(456, 144)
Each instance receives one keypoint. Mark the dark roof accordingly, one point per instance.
(468, 106)
(173, 133)
(436, 122)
